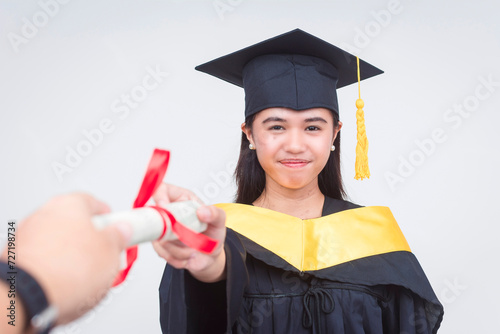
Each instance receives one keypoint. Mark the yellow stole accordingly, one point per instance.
(319, 243)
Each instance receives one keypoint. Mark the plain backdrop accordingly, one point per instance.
(67, 69)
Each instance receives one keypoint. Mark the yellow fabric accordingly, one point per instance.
(314, 244)
(361, 166)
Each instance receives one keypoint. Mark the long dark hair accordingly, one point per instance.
(251, 178)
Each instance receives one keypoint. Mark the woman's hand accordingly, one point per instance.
(204, 267)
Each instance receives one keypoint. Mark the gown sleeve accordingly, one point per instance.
(190, 306)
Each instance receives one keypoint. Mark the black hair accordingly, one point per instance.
(251, 178)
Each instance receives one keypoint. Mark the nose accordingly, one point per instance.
(295, 142)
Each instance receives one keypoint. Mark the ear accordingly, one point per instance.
(336, 131)
(247, 132)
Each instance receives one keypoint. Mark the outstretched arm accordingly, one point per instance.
(60, 248)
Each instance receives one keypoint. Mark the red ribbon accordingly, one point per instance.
(190, 238)
(154, 176)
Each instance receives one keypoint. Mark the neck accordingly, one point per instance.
(304, 203)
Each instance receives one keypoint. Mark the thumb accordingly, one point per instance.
(212, 215)
(118, 235)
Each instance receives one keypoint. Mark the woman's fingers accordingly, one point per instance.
(175, 253)
(178, 252)
(168, 193)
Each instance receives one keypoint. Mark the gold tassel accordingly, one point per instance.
(362, 169)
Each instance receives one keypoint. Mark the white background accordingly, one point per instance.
(60, 80)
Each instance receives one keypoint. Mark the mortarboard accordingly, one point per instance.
(299, 71)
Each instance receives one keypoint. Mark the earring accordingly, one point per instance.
(251, 146)
(332, 148)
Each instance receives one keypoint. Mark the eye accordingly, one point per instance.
(312, 128)
(276, 127)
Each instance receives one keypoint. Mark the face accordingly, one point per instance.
(292, 146)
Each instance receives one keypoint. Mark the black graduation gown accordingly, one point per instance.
(386, 293)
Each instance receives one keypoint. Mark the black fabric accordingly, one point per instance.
(200, 299)
(173, 309)
(387, 293)
(289, 81)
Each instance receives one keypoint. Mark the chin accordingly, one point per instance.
(294, 184)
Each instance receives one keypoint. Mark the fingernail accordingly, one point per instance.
(205, 213)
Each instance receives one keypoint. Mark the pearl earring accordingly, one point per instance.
(251, 147)
(332, 148)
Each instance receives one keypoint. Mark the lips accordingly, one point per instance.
(294, 163)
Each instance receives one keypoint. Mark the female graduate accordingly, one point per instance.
(294, 256)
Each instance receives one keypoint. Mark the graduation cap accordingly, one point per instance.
(299, 71)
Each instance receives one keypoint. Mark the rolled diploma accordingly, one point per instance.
(147, 223)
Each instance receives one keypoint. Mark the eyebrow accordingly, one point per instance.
(315, 119)
(273, 119)
(307, 120)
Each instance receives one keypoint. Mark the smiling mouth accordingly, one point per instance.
(294, 163)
